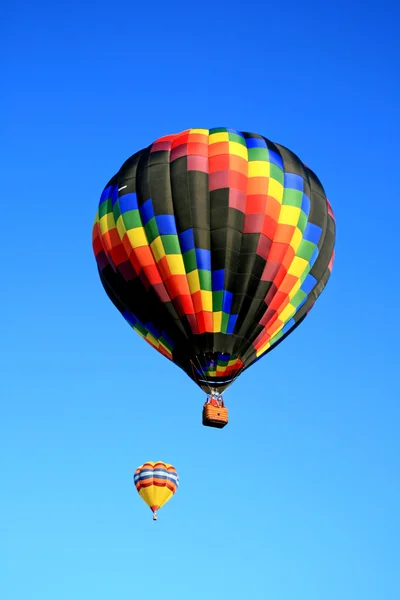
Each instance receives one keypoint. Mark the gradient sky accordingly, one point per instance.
(298, 498)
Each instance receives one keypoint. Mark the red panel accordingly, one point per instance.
(264, 246)
(193, 323)
(273, 208)
(253, 223)
(178, 285)
(238, 181)
(284, 233)
(270, 270)
(237, 163)
(257, 185)
(256, 204)
(219, 163)
(269, 227)
(287, 285)
(164, 269)
(162, 292)
(218, 180)
(218, 148)
(178, 152)
(197, 163)
(180, 138)
(237, 199)
(198, 307)
(144, 256)
(199, 149)
(152, 274)
(278, 251)
(118, 254)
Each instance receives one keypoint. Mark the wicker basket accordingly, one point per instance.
(214, 416)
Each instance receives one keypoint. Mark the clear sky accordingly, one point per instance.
(298, 498)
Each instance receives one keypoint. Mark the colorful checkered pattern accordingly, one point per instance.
(214, 245)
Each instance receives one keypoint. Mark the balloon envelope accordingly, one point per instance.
(214, 245)
(156, 483)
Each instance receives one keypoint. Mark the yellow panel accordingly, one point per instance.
(150, 338)
(232, 362)
(289, 215)
(157, 248)
(218, 137)
(263, 349)
(194, 281)
(297, 266)
(285, 316)
(121, 227)
(217, 321)
(201, 131)
(96, 219)
(296, 239)
(238, 150)
(206, 300)
(295, 289)
(275, 189)
(137, 237)
(107, 222)
(259, 168)
(176, 264)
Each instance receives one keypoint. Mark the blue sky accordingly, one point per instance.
(298, 498)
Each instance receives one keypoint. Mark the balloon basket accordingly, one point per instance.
(215, 416)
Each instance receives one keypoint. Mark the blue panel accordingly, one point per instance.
(232, 323)
(203, 258)
(128, 202)
(114, 196)
(305, 205)
(218, 280)
(275, 159)
(147, 211)
(166, 224)
(314, 257)
(227, 302)
(288, 326)
(294, 182)
(150, 327)
(106, 194)
(312, 233)
(308, 284)
(166, 337)
(255, 143)
(186, 240)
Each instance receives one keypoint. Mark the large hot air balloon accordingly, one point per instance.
(156, 483)
(214, 245)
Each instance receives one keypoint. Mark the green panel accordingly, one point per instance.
(224, 327)
(306, 250)
(277, 173)
(234, 137)
(171, 244)
(189, 259)
(105, 207)
(218, 130)
(302, 221)
(205, 280)
(298, 298)
(166, 343)
(117, 211)
(218, 298)
(258, 154)
(306, 272)
(140, 328)
(292, 197)
(151, 230)
(131, 219)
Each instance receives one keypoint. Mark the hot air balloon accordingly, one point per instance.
(214, 245)
(156, 483)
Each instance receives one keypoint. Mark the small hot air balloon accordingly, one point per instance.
(156, 483)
